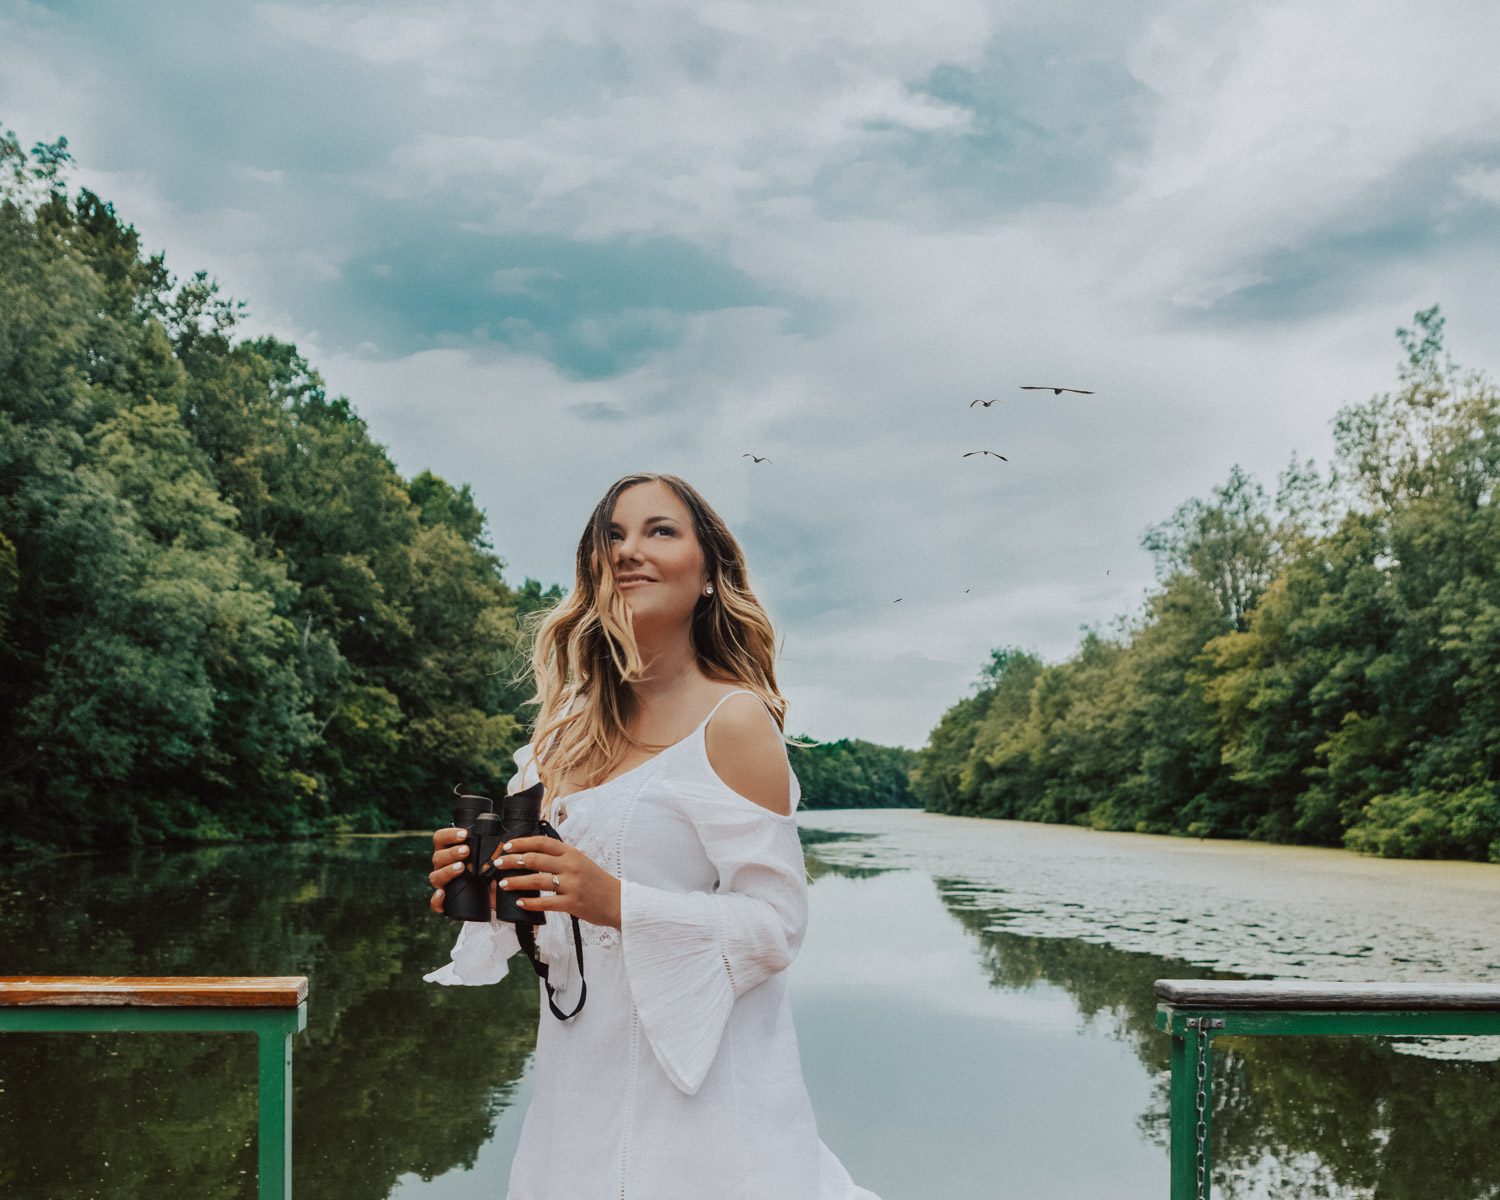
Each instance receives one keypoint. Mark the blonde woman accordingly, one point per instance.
(665, 774)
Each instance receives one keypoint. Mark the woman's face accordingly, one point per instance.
(658, 562)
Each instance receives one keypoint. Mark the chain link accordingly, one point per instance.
(1200, 1102)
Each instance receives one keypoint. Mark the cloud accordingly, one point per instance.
(275, 178)
(522, 281)
(542, 245)
(1481, 182)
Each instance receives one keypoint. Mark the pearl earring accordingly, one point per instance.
(709, 590)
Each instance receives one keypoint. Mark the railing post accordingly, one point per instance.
(1181, 1128)
(1192, 1082)
(274, 1008)
(1192, 1011)
(275, 1131)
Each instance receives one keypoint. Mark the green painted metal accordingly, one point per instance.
(1347, 1022)
(1172, 1019)
(1183, 1144)
(273, 1027)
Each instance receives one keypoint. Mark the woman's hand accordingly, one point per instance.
(576, 883)
(448, 854)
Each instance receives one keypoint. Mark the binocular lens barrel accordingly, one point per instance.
(467, 897)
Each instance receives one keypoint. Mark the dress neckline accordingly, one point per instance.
(664, 750)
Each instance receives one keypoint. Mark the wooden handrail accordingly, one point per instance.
(153, 991)
(1307, 995)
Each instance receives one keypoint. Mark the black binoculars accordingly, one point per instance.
(467, 896)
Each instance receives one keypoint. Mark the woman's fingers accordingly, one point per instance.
(443, 874)
(446, 864)
(533, 845)
(528, 883)
(447, 837)
(436, 903)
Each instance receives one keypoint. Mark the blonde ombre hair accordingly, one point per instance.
(584, 653)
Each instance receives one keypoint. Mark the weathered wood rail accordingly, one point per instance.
(1195, 1011)
(274, 1008)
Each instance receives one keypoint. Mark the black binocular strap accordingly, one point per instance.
(527, 936)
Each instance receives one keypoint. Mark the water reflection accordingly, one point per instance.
(948, 1054)
(1329, 1116)
(392, 1076)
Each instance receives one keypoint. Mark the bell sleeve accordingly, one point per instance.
(690, 956)
(482, 952)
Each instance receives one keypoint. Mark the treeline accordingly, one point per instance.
(223, 612)
(1319, 667)
(851, 773)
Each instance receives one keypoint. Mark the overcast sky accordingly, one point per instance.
(540, 245)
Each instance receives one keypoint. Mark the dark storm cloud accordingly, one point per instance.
(592, 308)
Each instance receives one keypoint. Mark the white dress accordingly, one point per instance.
(680, 1079)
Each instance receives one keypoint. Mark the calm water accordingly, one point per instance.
(973, 1001)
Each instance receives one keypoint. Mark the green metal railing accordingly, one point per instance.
(1195, 1011)
(273, 1008)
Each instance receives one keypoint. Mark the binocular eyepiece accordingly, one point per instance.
(467, 896)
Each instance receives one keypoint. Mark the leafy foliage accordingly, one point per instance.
(851, 773)
(1320, 668)
(223, 612)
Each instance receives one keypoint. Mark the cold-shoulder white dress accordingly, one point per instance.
(680, 1078)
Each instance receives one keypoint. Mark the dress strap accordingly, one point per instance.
(715, 708)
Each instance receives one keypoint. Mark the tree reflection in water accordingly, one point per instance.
(392, 1075)
(396, 1076)
(1293, 1117)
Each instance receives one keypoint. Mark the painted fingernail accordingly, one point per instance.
(457, 867)
(506, 846)
(462, 850)
(462, 833)
(505, 883)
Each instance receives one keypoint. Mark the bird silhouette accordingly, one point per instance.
(966, 590)
(898, 600)
(1001, 457)
(759, 460)
(986, 403)
(1056, 391)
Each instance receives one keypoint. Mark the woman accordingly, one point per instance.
(666, 776)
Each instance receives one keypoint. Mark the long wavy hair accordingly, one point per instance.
(584, 653)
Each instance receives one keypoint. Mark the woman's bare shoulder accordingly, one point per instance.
(745, 750)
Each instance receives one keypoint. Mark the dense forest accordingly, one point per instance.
(223, 612)
(1318, 666)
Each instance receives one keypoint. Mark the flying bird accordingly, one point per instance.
(898, 600)
(1001, 457)
(966, 589)
(1047, 387)
(759, 460)
(986, 403)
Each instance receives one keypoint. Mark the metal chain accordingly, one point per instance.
(1200, 1102)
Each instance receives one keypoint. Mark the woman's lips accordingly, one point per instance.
(625, 583)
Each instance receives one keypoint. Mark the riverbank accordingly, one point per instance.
(1247, 908)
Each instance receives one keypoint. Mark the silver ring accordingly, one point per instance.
(556, 884)
(520, 860)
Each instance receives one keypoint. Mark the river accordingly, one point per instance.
(973, 1002)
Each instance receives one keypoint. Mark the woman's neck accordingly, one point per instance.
(669, 668)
